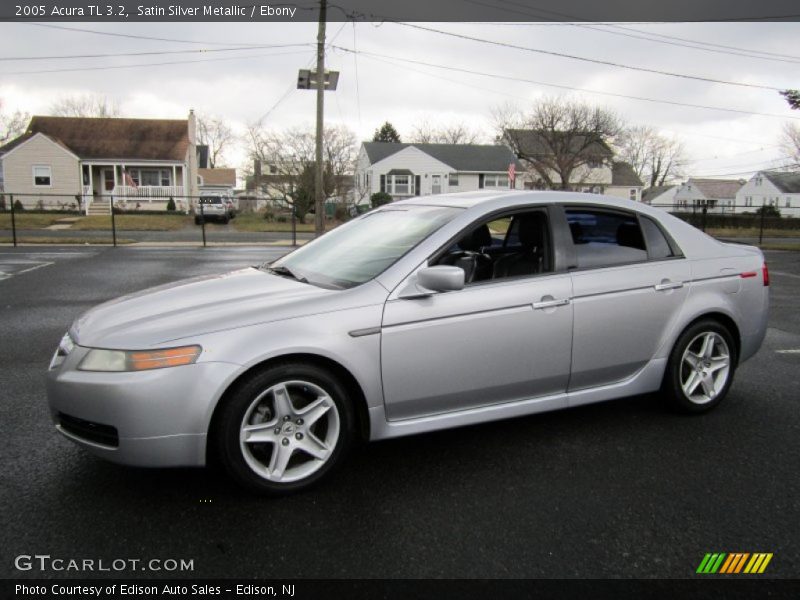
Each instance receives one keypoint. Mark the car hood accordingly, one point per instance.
(196, 306)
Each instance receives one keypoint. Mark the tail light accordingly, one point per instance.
(765, 274)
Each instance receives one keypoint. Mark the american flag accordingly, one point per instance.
(129, 180)
(512, 174)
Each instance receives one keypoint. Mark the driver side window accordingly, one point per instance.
(513, 245)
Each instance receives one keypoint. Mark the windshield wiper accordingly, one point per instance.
(286, 272)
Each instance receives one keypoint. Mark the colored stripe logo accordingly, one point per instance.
(734, 563)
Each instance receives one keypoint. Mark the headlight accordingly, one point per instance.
(138, 360)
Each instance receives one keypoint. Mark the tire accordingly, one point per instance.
(225, 220)
(198, 220)
(699, 375)
(284, 455)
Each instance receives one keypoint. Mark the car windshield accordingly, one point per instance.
(365, 247)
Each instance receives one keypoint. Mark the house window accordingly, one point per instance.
(42, 176)
(594, 163)
(759, 180)
(453, 179)
(788, 202)
(495, 181)
(632, 194)
(400, 185)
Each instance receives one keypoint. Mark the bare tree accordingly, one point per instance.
(218, 136)
(655, 158)
(12, 125)
(85, 105)
(457, 133)
(287, 158)
(790, 145)
(561, 140)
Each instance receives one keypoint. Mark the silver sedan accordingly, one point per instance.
(425, 314)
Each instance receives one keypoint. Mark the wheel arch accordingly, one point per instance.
(345, 377)
(723, 319)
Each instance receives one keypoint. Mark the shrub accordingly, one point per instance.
(171, 205)
(379, 199)
(269, 215)
(2, 203)
(341, 213)
(18, 205)
(281, 219)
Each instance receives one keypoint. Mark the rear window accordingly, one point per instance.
(605, 239)
(211, 200)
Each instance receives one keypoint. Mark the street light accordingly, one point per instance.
(307, 80)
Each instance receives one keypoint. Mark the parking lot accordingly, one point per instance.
(621, 489)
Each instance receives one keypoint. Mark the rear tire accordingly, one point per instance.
(285, 428)
(198, 220)
(701, 368)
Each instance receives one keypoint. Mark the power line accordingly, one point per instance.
(566, 87)
(787, 59)
(151, 53)
(150, 64)
(590, 60)
(736, 48)
(355, 61)
(136, 37)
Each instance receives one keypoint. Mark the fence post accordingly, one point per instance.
(703, 224)
(113, 222)
(761, 226)
(294, 225)
(13, 222)
(202, 220)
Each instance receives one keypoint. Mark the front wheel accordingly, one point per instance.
(285, 428)
(701, 367)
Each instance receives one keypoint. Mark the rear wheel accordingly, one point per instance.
(198, 220)
(701, 367)
(285, 428)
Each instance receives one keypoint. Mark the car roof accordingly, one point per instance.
(509, 198)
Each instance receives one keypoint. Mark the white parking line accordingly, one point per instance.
(789, 351)
(34, 265)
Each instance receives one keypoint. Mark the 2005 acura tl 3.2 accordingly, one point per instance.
(424, 314)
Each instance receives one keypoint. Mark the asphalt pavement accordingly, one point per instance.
(620, 489)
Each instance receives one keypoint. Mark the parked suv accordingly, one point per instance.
(214, 208)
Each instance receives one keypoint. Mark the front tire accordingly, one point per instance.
(701, 367)
(283, 429)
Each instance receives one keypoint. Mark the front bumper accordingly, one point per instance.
(155, 418)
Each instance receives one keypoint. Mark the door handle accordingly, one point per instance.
(668, 285)
(550, 303)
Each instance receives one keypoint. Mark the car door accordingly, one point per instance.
(628, 289)
(492, 342)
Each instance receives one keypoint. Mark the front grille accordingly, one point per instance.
(89, 431)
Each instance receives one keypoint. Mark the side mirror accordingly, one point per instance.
(441, 278)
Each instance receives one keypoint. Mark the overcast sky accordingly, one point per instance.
(249, 82)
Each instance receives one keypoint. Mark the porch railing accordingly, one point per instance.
(148, 192)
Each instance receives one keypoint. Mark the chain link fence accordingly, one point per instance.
(204, 220)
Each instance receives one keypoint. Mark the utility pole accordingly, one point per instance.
(319, 200)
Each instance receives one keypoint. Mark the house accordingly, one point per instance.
(716, 195)
(770, 188)
(216, 181)
(660, 195)
(406, 170)
(67, 161)
(598, 172)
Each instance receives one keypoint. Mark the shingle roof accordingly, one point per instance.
(655, 191)
(218, 176)
(461, 157)
(146, 139)
(622, 174)
(717, 189)
(532, 143)
(788, 183)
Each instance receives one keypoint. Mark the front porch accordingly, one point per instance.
(133, 186)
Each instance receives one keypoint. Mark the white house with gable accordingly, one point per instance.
(407, 170)
(769, 188)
